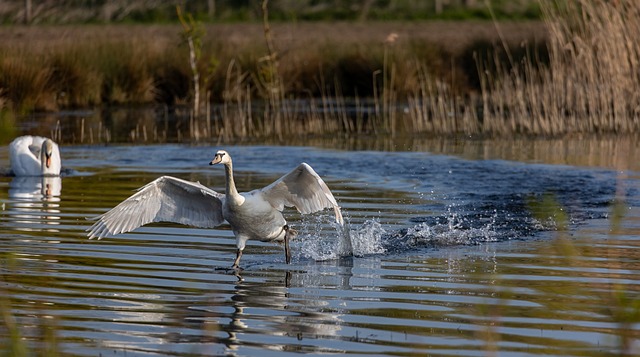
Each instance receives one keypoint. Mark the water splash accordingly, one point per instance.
(368, 238)
(451, 231)
(320, 241)
(372, 238)
(318, 247)
(473, 208)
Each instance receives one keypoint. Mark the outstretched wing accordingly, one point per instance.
(303, 189)
(166, 199)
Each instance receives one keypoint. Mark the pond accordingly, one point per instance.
(462, 247)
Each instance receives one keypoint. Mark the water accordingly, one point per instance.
(457, 252)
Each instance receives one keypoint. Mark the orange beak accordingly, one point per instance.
(48, 161)
(216, 160)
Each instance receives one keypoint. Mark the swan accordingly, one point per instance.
(252, 215)
(34, 156)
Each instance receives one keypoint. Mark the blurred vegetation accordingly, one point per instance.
(139, 11)
(576, 71)
(50, 68)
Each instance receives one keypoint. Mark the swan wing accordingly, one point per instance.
(24, 154)
(303, 189)
(166, 199)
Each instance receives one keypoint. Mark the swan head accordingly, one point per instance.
(221, 157)
(50, 158)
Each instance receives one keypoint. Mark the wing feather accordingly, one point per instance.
(303, 189)
(166, 199)
(24, 155)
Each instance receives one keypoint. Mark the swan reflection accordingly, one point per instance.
(267, 305)
(34, 201)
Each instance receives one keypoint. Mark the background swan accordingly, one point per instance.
(252, 215)
(34, 156)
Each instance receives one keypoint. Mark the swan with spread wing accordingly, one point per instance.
(252, 215)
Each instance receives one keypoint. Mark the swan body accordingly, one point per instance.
(34, 156)
(252, 215)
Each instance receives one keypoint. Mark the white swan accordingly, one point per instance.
(251, 215)
(34, 156)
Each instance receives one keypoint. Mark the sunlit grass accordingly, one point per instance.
(590, 83)
(585, 80)
(57, 68)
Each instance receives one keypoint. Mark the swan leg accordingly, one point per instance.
(235, 262)
(287, 250)
(289, 233)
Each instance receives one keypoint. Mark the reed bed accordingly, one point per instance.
(575, 73)
(592, 80)
(330, 78)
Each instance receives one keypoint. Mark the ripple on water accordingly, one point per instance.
(452, 257)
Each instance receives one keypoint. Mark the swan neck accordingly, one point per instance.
(43, 157)
(232, 191)
(49, 160)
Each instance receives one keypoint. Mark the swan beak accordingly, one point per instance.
(216, 160)
(48, 161)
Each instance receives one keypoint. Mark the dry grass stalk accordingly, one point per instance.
(591, 84)
(192, 32)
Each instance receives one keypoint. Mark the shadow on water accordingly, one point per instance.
(164, 125)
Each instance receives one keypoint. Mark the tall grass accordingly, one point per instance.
(78, 76)
(592, 80)
(87, 66)
(25, 84)
(278, 82)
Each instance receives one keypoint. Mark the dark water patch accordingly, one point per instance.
(497, 201)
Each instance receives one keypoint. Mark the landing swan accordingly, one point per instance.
(252, 215)
(34, 156)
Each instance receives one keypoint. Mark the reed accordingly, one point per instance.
(26, 85)
(127, 75)
(77, 76)
(592, 80)
(85, 66)
(271, 83)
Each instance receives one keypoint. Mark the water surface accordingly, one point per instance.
(458, 252)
